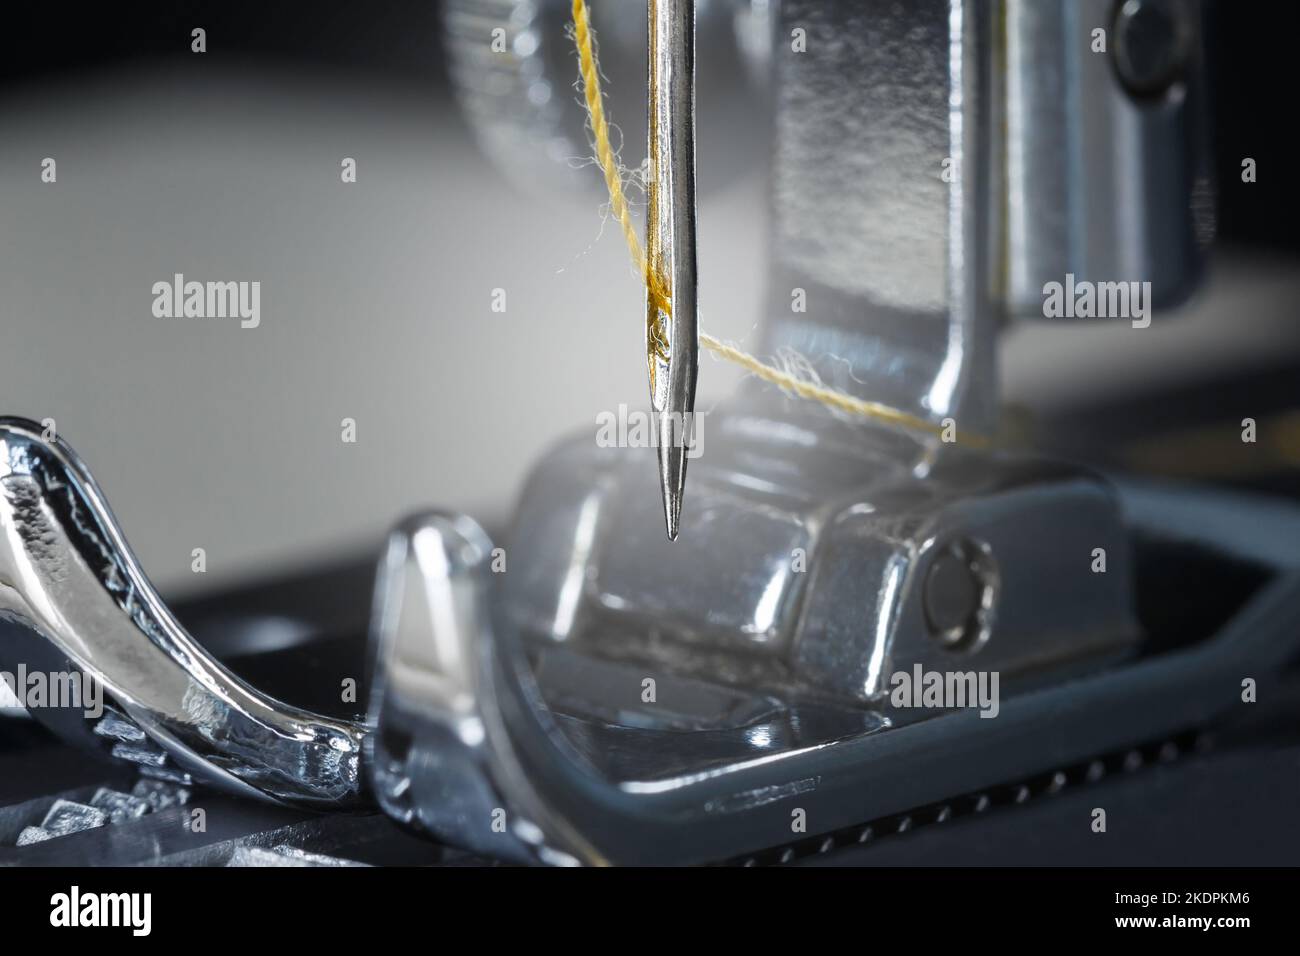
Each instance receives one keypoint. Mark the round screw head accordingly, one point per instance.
(1150, 45)
(951, 592)
(959, 594)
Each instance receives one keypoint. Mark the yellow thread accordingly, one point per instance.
(658, 288)
(609, 164)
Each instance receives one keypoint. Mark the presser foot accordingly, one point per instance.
(609, 697)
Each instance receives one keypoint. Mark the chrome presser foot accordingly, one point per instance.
(616, 698)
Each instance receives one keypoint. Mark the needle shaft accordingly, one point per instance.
(672, 341)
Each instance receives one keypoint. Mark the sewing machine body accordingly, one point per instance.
(785, 673)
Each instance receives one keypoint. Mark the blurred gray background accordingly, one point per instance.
(375, 305)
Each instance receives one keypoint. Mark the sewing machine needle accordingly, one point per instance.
(672, 343)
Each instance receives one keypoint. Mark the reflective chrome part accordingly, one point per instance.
(936, 162)
(884, 202)
(73, 595)
(441, 755)
(486, 740)
(670, 242)
(532, 718)
(802, 570)
(1103, 183)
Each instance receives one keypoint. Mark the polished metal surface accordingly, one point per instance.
(936, 163)
(72, 595)
(802, 569)
(1102, 183)
(670, 242)
(600, 734)
(441, 761)
(884, 202)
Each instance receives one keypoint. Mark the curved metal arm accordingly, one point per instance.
(70, 589)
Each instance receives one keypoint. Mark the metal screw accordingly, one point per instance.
(960, 593)
(1150, 44)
